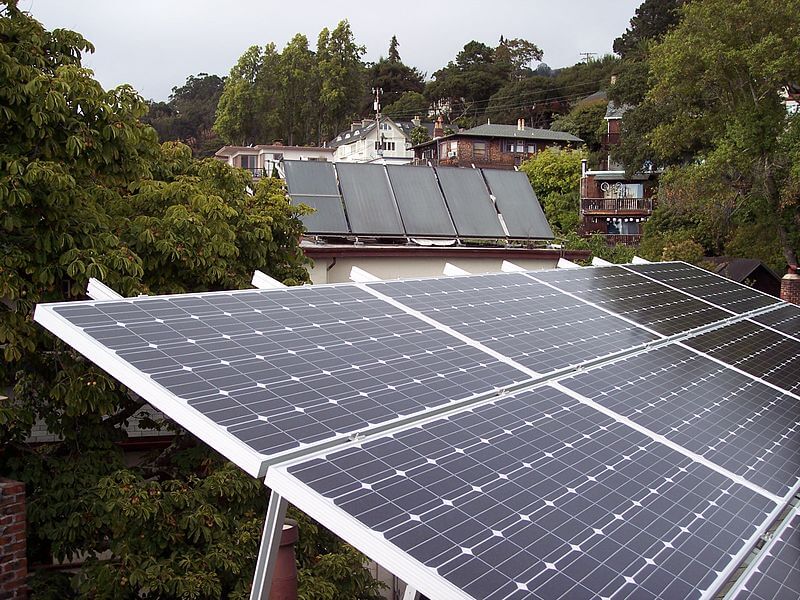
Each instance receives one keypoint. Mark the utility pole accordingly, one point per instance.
(377, 105)
(587, 56)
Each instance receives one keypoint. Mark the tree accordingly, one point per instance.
(408, 106)
(395, 79)
(297, 91)
(555, 176)
(240, 116)
(86, 191)
(536, 99)
(652, 20)
(714, 107)
(587, 121)
(394, 54)
(340, 73)
(517, 54)
(189, 114)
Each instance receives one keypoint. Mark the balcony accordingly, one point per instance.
(616, 206)
(256, 172)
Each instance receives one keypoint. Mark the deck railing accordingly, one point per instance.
(616, 205)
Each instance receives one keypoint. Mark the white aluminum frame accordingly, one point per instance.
(262, 281)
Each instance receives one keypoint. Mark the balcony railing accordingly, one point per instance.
(613, 206)
(256, 172)
(623, 239)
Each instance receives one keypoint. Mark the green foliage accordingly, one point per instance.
(555, 176)
(419, 135)
(585, 120)
(599, 247)
(189, 115)
(408, 106)
(85, 190)
(652, 20)
(713, 106)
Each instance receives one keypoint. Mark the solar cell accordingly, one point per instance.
(532, 496)
(276, 369)
(420, 201)
(368, 198)
(740, 424)
(518, 204)
(527, 321)
(761, 352)
(710, 287)
(785, 319)
(641, 300)
(776, 575)
(313, 183)
(470, 205)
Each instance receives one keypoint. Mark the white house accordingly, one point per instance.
(388, 143)
(262, 159)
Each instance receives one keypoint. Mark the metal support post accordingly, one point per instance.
(268, 552)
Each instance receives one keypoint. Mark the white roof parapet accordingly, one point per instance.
(563, 263)
(451, 270)
(264, 282)
(510, 267)
(361, 276)
(97, 290)
(600, 262)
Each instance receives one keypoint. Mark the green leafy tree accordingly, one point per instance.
(394, 53)
(297, 91)
(341, 78)
(408, 106)
(516, 55)
(536, 99)
(396, 80)
(420, 135)
(714, 107)
(652, 20)
(587, 121)
(555, 176)
(85, 190)
(189, 114)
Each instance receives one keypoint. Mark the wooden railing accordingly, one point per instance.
(616, 205)
(614, 239)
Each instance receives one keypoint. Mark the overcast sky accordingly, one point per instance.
(155, 44)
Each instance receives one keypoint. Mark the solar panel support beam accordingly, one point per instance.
(410, 593)
(563, 263)
(359, 275)
(510, 267)
(451, 270)
(268, 551)
(638, 260)
(97, 290)
(264, 282)
(600, 262)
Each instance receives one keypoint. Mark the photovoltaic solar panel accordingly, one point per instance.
(523, 216)
(537, 496)
(641, 300)
(313, 183)
(527, 321)
(368, 198)
(761, 352)
(420, 201)
(785, 319)
(279, 368)
(470, 205)
(776, 575)
(712, 288)
(728, 418)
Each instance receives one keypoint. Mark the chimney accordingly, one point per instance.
(355, 125)
(520, 124)
(438, 127)
(417, 121)
(790, 286)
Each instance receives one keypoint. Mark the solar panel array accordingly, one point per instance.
(777, 574)
(564, 434)
(404, 201)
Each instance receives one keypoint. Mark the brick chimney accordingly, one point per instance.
(521, 124)
(438, 127)
(790, 286)
(13, 552)
(416, 121)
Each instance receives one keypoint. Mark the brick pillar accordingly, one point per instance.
(13, 560)
(790, 286)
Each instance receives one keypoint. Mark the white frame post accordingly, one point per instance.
(262, 281)
(410, 593)
(97, 290)
(270, 544)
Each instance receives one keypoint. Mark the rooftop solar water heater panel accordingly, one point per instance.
(368, 198)
(518, 204)
(535, 325)
(717, 290)
(470, 205)
(420, 201)
(730, 419)
(313, 183)
(258, 373)
(535, 496)
(646, 302)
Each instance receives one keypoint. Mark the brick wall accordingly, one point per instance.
(790, 286)
(13, 561)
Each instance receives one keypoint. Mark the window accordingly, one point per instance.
(515, 146)
(249, 161)
(479, 149)
(386, 127)
(384, 145)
